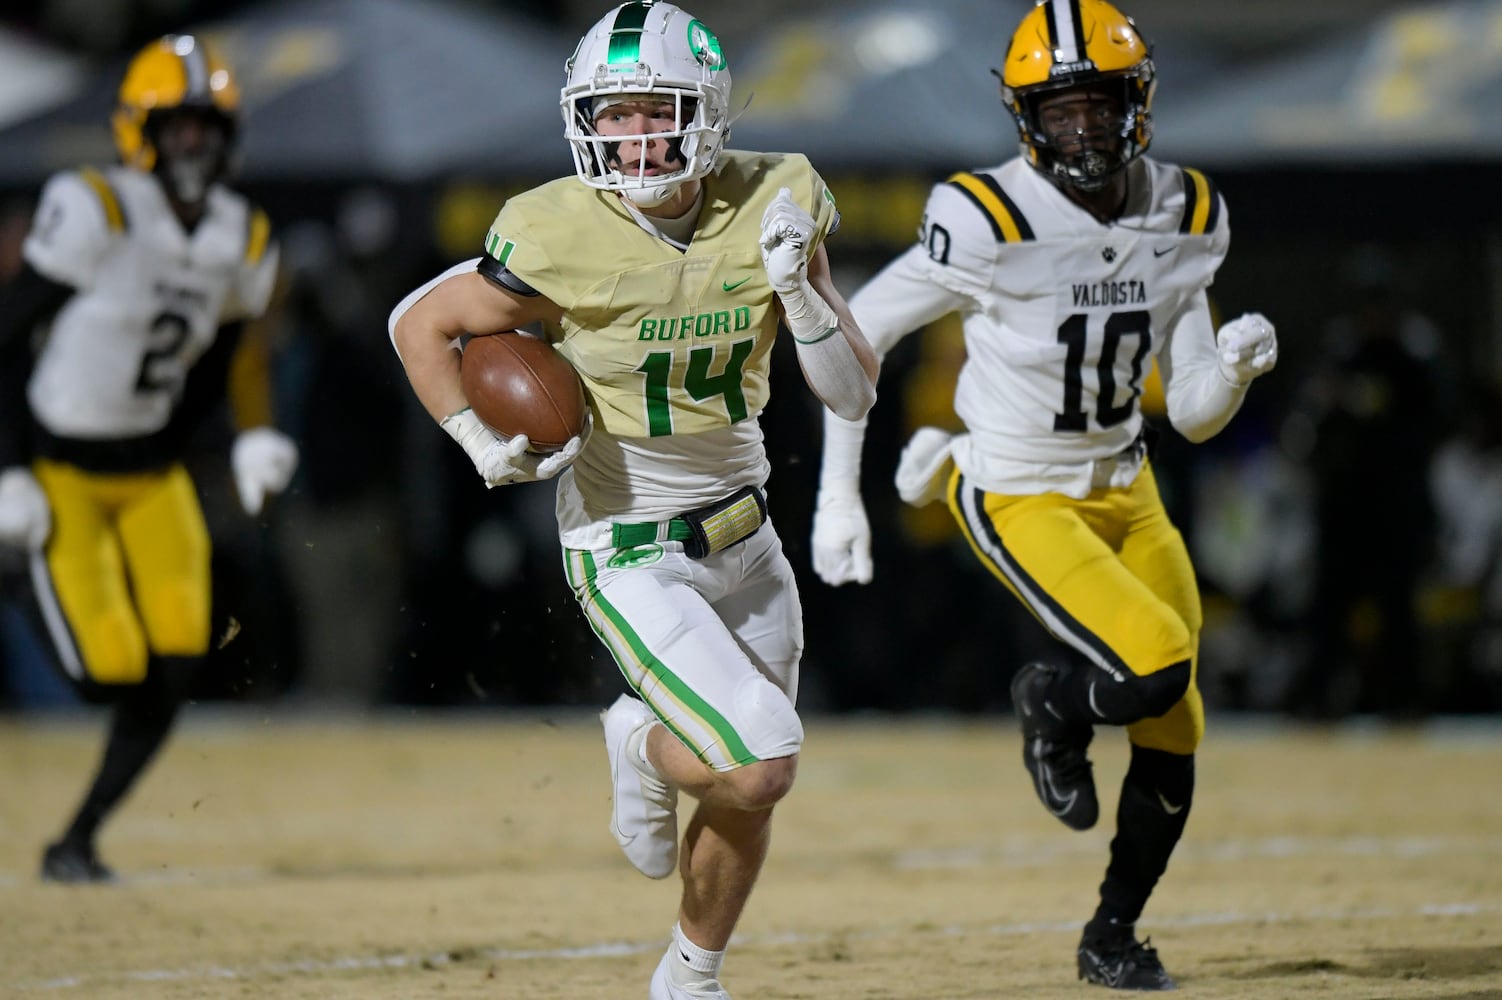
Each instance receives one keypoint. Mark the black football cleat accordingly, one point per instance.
(1127, 964)
(1054, 750)
(73, 863)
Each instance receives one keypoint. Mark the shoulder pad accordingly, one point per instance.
(109, 201)
(1201, 204)
(1007, 222)
(257, 235)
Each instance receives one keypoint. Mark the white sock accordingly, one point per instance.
(636, 750)
(704, 964)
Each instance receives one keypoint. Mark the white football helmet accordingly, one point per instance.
(651, 49)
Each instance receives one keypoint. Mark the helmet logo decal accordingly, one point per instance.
(1070, 68)
(705, 46)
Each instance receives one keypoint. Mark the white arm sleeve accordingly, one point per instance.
(1200, 400)
(463, 267)
(840, 467)
(904, 296)
(835, 374)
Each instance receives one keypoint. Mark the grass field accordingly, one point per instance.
(296, 856)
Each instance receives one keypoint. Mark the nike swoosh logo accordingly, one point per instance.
(1160, 253)
(1058, 803)
(1168, 806)
(727, 286)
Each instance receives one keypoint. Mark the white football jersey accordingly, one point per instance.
(1063, 315)
(149, 298)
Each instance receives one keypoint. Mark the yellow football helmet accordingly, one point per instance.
(175, 72)
(1063, 44)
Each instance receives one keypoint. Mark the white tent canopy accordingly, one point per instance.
(34, 77)
(367, 89)
(1420, 84)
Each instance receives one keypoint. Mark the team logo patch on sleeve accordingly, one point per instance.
(499, 247)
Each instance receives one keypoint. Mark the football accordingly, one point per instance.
(518, 384)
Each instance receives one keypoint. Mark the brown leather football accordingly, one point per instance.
(518, 384)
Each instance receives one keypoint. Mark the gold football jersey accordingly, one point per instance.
(668, 342)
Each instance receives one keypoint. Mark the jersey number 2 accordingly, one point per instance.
(1074, 333)
(162, 365)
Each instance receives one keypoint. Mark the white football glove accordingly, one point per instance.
(786, 231)
(1247, 346)
(263, 460)
(841, 538)
(25, 516)
(503, 461)
(923, 469)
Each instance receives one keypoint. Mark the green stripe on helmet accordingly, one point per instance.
(625, 34)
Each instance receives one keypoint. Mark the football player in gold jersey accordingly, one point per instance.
(661, 271)
(137, 284)
(1073, 266)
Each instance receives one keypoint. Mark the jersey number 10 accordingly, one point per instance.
(1074, 333)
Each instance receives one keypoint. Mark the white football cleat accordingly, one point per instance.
(664, 988)
(643, 807)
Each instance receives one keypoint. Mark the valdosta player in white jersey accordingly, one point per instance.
(140, 278)
(1074, 267)
(660, 271)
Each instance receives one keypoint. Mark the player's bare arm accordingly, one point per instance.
(424, 328)
(465, 302)
(823, 282)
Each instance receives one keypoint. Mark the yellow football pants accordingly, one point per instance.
(125, 574)
(1109, 575)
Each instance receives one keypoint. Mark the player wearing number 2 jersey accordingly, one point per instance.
(662, 278)
(1074, 267)
(116, 341)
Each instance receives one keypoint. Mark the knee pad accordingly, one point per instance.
(185, 631)
(124, 664)
(766, 720)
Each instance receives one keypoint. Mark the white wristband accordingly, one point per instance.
(809, 317)
(471, 433)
